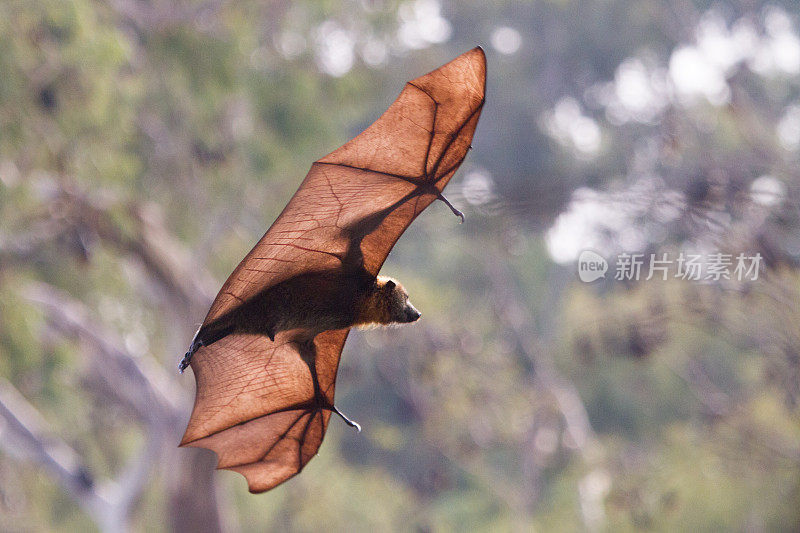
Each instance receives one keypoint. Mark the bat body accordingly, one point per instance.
(315, 302)
(266, 357)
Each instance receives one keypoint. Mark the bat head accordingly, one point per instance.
(393, 298)
(410, 313)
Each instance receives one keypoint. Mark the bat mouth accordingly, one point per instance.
(411, 314)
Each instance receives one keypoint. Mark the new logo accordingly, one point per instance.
(591, 266)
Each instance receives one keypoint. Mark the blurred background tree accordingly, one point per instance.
(146, 145)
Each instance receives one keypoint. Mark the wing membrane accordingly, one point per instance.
(256, 405)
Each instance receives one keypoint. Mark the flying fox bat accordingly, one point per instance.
(266, 357)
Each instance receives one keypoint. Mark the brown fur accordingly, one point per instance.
(318, 302)
(387, 303)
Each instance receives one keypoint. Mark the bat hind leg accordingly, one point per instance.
(197, 343)
(202, 338)
(455, 211)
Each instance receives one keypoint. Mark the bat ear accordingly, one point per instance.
(390, 285)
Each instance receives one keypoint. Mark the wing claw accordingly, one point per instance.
(351, 423)
(455, 211)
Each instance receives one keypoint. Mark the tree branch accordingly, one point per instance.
(138, 383)
(24, 434)
(513, 314)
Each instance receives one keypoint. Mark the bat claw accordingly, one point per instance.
(184, 362)
(347, 421)
(455, 211)
(187, 358)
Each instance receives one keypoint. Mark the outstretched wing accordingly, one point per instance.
(254, 402)
(379, 180)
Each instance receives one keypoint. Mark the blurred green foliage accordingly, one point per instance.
(135, 131)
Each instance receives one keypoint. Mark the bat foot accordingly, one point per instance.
(347, 421)
(455, 211)
(187, 358)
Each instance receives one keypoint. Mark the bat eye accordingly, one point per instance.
(390, 285)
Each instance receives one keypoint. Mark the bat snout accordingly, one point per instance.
(411, 313)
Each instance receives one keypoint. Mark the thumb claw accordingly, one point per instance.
(455, 211)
